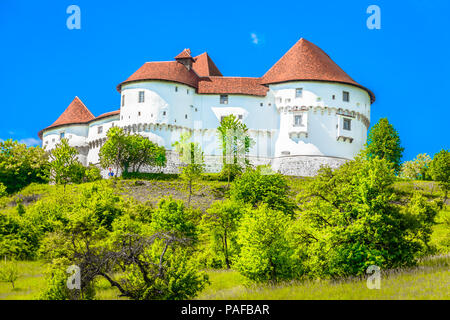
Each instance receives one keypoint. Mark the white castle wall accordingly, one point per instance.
(171, 108)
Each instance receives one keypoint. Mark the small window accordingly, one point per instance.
(261, 104)
(297, 120)
(139, 113)
(288, 100)
(280, 100)
(61, 135)
(224, 99)
(187, 91)
(123, 100)
(196, 110)
(347, 124)
(298, 92)
(240, 117)
(176, 89)
(151, 116)
(270, 104)
(221, 118)
(164, 113)
(333, 97)
(141, 96)
(346, 96)
(53, 140)
(121, 117)
(100, 129)
(46, 142)
(185, 116)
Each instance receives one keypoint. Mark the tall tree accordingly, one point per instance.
(235, 144)
(191, 156)
(384, 142)
(440, 170)
(64, 164)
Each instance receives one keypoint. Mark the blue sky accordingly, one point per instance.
(44, 65)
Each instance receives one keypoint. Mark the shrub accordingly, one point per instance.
(21, 165)
(263, 186)
(9, 272)
(2, 190)
(440, 170)
(265, 251)
(417, 169)
(349, 220)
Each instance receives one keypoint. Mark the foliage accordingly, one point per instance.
(64, 164)
(265, 250)
(235, 144)
(417, 169)
(348, 221)
(220, 223)
(440, 170)
(9, 272)
(384, 142)
(91, 174)
(261, 185)
(2, 190)
(191, 156)
(127, 152)
(21, 165)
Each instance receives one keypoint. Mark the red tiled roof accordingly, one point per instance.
(232, 85)
(163, 70)
(185, 54)
(107, 114)
(306, 61)
(75, 113)
(204, 66)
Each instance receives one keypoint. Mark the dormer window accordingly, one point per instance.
(141, 96)
(298, 92)
(223, 99)
(347, 124)
(345, 96)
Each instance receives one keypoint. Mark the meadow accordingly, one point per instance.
(429, 280)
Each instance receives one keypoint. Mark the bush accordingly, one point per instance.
(263, 186)
(265, 251)
(9, 272)
(349, 221)
(440, 170)
(2, 190)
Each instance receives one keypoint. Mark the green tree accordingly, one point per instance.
(440, 170)
(191, 156)
(127, 152)
(235, 144)
(2, 190)
(384, 142)
(261, 185)
(9, 272)
(220, 223)
(64, 164)
(349, 220)
(417, 169)
(21, 165)
(265, 250)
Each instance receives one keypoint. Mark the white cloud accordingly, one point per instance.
(254, 37)
(30, 141)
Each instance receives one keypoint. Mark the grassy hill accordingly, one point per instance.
(430, 280)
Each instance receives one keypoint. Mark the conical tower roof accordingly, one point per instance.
(75, 113)
(306, 61)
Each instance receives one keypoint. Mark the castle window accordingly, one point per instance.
(345, 96)
(141, 96)
(100, 129)
(139, 113)
(53, 140)
(185, 116)
(61, 135)
(240, 117)
(123, 100)
(333, 97)
(187, 91)
(347, 124)
(46, 142)
(164, 113)
(196, 110)
(261, 104)
(288, 100)
(298, 92)
(176, 89)
(297, 120)
(223, 99)
(280, 100)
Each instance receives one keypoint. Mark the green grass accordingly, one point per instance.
(430, 280)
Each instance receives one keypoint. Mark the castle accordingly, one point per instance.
(304, 112)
